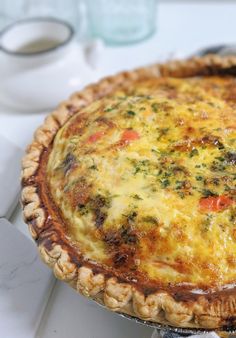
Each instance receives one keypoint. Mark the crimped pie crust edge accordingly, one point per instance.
(160, 307)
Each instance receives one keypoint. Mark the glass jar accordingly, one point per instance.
(121, 21)
(63, 9)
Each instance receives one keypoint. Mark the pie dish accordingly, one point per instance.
(129, 191)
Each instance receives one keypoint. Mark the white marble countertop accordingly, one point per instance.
(183, 27)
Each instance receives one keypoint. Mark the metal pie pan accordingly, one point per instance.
(171, 329)
(178, 330)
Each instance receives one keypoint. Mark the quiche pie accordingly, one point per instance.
(129, 190)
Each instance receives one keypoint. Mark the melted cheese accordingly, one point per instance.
(134, 203)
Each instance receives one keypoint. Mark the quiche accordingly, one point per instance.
(129, 190)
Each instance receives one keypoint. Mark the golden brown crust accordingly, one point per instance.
(204, 310)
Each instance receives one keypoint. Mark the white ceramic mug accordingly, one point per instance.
(42, 64)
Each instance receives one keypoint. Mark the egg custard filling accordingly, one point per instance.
(145, 181)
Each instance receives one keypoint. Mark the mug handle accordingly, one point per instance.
(93, 50)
